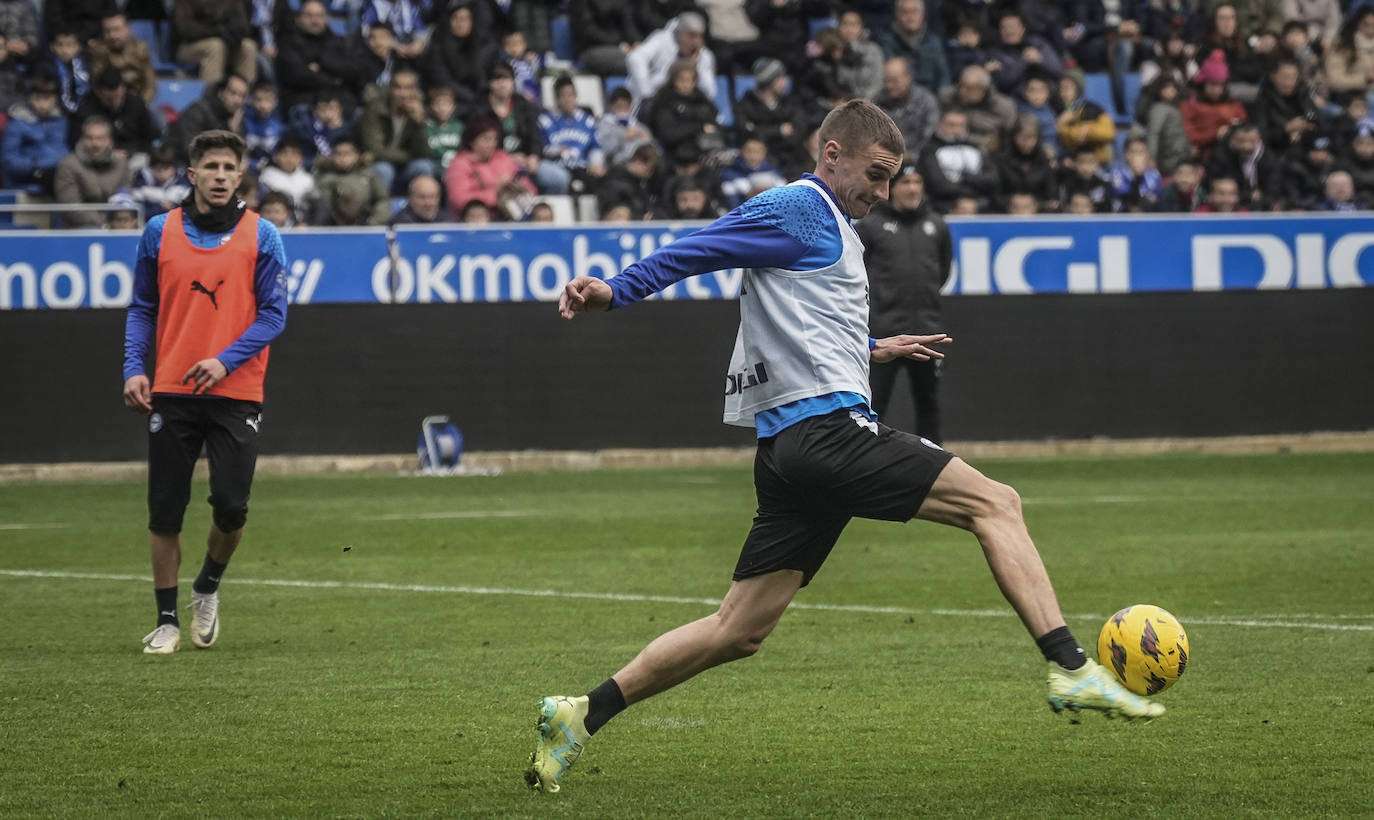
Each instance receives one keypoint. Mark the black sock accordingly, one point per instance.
(1060, 647)
(166, 606)
(208, 579)
(604, 702)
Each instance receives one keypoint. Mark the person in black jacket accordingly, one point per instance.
(311, 58)
(680, 112)
(778, 118)
(908, 253)
(1024, 166)
(131, 123)
(1284, 109)
(458, 56)
(954, 167)
(221, 108)
(1245, 158)
(603, 31)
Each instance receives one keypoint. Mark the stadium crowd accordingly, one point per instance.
(366, 112)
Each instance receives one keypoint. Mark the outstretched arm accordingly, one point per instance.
(584, 295)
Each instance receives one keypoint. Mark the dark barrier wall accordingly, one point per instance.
(358, 378)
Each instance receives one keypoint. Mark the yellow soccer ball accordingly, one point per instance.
(1145, 647)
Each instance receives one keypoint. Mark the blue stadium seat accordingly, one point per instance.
(818, 23)
(1098, 88)
(178, 93)
(744, 83)
(339, 26)
(560, 28)
(726, 117)
(613, 82)
(1132, 88)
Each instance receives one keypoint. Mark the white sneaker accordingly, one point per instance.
(205, 623)
(164, 640)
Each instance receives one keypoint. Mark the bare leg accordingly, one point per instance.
(751, 609)
(965, 498)
(166, 551)
(221, 545)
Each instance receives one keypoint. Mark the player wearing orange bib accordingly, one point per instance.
(209, 296)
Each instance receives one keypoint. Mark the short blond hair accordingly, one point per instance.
(857, 124)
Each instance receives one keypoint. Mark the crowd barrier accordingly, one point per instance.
(522, 263)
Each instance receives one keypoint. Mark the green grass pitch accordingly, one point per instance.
(385, 641)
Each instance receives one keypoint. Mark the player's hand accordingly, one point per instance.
(138, 394)
(583, 295)
(204, 375)
(920, 348)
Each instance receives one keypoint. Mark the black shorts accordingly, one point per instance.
(817, 474)
(177, 429)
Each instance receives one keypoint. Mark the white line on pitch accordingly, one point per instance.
(11, 527)
(1250, 621)
(436, 516)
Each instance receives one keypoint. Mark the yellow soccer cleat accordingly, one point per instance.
(1091, 686)
(562, 735)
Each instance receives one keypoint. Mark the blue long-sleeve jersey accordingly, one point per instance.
(269, 283)
(788, 227)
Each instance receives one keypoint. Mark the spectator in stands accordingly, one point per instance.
(684, 38)
(443, 128)
(1210, 112)
(603, 32)
(541, 213)
(1164, 133)
(1320, 19)
(35, 140)
(392, 133)
(1173, 55)
(322, 125)
(521, 137)
(652, 15)
(1354, 108)
(457, 58)
(829, 76)
(287, 174)
(690, 200)
(1035, 101)
(785, 27)
(1088, 30)
(632, 185)
(1303, 167)
(117, 47)
(680, 113)
(92, 173)
(477, 212)
(1350, 60)
(769, 112)
(277, 208)
(865, 57)
(483, 171)
(131, 123)
(406, 18)
(1137, 185)
(262, 125)
(618, 131)
(954, 166)
(311, 58)
(1284, 110)
(19, 27)
(1024, 166)
(990, 115)
(422, 203)
(162, 184)
(533, 17)
(569, 133)
(1183, 194)
(123, 213)
(71, 69)
(82, 16)
(350, 193)
(1358, 159)
(966, 48)
(524, 64)
(221, 107)
(1051, 20)
(1295, 45)
(216, 35)
(1223, 197)
(1255, 16)
(1244, 157)
(1083, 122)
(374, 61)
(1080, 204)
(751, 173)
(1225, 34)
(619, 212)
(11, 76)
(1017, 53)
(909, 36)
(1085, 175)
(913, 108)
(1340, 193)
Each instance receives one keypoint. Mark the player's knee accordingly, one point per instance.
(998, 503)
(230, 520)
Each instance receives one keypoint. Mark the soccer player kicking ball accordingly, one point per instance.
(799, 376)
(209, 291)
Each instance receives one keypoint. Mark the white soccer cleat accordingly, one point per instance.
(1093, 687)
(205, 623)
(164, 640)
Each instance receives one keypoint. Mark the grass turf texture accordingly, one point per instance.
(361, 702)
